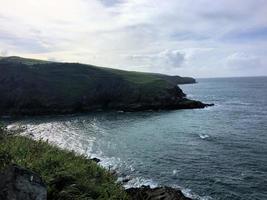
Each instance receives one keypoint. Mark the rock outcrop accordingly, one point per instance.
(96, 160)
(17, 183)
(159, 193)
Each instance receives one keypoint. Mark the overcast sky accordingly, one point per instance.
(200, 38)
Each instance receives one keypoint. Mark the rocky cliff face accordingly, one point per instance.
(33, 87)
(17, 183)
(162, 193)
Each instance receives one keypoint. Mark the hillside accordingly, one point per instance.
(36, 87)
(66, 175)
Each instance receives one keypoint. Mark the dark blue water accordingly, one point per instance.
(214, 153)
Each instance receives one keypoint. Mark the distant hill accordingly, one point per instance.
(36, 87)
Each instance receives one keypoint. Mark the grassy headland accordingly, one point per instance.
(36, 87)
(68, 175)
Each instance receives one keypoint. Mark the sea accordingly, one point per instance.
(219, 152)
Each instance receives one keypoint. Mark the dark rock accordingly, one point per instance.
(126, 180)
(209, 104)
(97, 160)
(60, 182)
(17, 183)
(159, 193)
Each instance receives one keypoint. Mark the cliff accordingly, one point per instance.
(36, 87)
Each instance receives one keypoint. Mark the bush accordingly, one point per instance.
(2, 128)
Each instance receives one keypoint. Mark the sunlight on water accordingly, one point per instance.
(213, 153)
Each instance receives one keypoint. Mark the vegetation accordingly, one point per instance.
(68, 176)
(27, 61)
(35, 87)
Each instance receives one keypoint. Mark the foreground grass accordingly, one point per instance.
(68, 176)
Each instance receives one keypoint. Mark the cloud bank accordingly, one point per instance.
(202, 38)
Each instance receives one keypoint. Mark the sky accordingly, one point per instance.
(199, 38)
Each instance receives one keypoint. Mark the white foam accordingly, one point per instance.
(238, 102)
(63, 135)
(188, 193)
(15, 127)
(139, 181)
(204, 136)
(174, 172)
(190, 95)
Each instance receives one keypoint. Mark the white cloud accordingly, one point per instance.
(186, 37)
(162, 62)
(243, 61)
(172, 58)
(3, 53)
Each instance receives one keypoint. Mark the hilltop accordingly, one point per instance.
(37, 87)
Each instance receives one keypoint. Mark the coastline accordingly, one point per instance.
(133, 193)
(181, 104)
(97, 158)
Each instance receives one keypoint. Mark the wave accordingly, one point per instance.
(190, 95)
(203, 136)
(188, 193)
(174, 172)
(139, 181)
(238, 102)
(16, 127)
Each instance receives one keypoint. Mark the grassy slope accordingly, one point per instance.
(27, 61)
(132, 76)
(68, 176)
(28, 85)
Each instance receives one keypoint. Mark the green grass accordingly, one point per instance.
(137, 77)
(68, 176)
(26, 61)
(131, 76)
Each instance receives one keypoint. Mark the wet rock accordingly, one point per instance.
(209, 104)
(97, 160)
(126, 180)
(159, 193)
(17, 183)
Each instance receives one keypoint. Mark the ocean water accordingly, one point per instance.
(218, 152)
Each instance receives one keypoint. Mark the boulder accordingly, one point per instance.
(159, 193)
(17, 183)
(96, 160)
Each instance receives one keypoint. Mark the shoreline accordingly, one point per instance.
(121, 178)
(179, 105)
(137, 192)
(134, 193)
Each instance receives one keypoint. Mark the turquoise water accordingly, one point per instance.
(215, 153)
